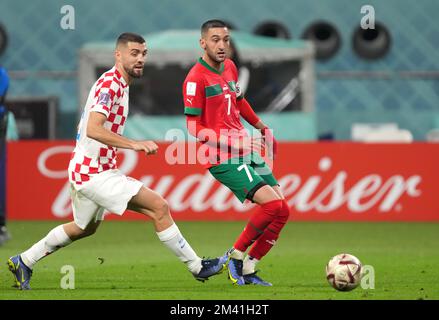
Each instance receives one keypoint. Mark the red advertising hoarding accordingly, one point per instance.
(321, 182)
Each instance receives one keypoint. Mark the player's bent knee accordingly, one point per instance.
(163, 207)
(89, 231)
(285, 212)
(282, 218)
(77, 232)
(276, 206)
(160, 209)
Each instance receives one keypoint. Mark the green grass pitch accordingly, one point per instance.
(125, 260)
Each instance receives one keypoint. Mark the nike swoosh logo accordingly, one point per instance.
(182, 243)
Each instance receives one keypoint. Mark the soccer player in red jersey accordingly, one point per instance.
(96, 182)
(213, 106)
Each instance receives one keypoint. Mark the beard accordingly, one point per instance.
(133, 72)
(214, 57)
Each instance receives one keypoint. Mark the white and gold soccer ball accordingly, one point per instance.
(343, 272)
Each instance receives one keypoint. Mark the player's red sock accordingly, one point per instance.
(261, 247)
(257, 224)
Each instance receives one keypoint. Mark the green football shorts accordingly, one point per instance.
(244, 175)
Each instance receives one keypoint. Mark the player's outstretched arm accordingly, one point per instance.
(97, 131)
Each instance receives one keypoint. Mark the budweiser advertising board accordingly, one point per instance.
(321, 182)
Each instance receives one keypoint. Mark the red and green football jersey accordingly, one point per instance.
(212, 95)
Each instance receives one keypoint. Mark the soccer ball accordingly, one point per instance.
(343, 272)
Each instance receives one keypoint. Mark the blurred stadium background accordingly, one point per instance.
(314, 74)
(400, 86)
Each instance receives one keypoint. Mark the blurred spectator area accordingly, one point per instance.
(401, 86)
(280, 81)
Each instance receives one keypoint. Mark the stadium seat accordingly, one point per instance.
(399, 136)
(380, 132)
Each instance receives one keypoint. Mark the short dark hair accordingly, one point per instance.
(126, 37)
(212, 24)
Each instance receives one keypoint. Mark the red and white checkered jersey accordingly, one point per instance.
(109, 96)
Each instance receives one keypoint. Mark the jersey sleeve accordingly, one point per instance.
(239, 94)
(194, 96)
(106, 95)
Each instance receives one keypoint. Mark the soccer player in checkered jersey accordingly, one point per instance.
(213, 106)
(97, 184)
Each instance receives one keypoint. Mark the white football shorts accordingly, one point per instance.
(109, 190)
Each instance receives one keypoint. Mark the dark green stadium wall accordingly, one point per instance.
(400, 87)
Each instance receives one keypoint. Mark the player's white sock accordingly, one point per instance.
(55, 239)
(174, 240)
(236, 254)
(249, 265)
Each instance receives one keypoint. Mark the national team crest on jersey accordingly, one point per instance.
(238, 90)
(104, 98)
